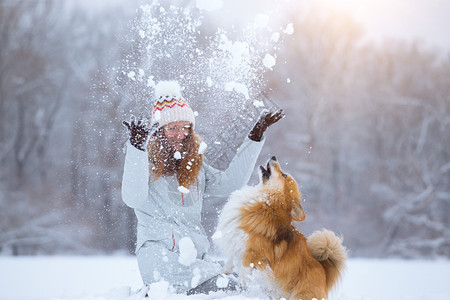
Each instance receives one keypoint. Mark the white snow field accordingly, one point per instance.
(115, 277)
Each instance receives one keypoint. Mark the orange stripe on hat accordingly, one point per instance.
(169, 104)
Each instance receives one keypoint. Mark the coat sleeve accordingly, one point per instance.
(135, 177)
(223, 183)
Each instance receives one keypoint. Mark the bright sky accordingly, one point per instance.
(426, 20)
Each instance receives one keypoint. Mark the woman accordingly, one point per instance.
(165, 183)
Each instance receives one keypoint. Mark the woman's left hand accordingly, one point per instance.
(266, 119)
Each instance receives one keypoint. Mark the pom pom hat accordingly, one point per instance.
(170, 106)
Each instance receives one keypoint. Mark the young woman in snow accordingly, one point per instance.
(165, 181)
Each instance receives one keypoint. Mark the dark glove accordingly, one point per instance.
(138, 132)
(266, 119)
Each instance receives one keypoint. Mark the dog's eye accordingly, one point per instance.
(284, 175)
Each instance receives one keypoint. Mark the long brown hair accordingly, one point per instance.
(163, 162)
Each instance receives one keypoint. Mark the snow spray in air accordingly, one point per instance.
(221, 71)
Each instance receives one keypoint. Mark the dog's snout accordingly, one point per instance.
(274, 158)
(265, 173)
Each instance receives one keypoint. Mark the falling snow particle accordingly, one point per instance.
(269, 61)
(183, 190)
(188, 253)
(275, 37)
(150, 82)
(258, 103)
(222, 282)
(202, 148)
(209, 81)
(240, 51)
(289, 29)
(217, 235)
(237, 87)
(156, 275)
(132, 75)
(177, 155)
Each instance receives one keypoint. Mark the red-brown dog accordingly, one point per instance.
(256, 231)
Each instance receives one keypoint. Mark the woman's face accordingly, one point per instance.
(176, 132)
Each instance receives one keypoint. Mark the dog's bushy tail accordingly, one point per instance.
(327, 248)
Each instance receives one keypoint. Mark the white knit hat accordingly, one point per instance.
(170, 106)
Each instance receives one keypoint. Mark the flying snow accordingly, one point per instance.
(258, 103)
(289, 29)
(202, 148)
(269, 61)
(275, 37)
(183, 190)
(222, 66)
(209, 81)
(222, 282)
(240, 51)
(177, 155)
(188, 252)
(156, 275)
(237, 87)
(150, 82)
(132, 75)
(218, 68)
(217, 235)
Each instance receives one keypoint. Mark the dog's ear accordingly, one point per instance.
(297, 212)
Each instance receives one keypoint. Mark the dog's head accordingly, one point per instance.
(273, 177)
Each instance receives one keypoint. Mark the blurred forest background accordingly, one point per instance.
(367, 132)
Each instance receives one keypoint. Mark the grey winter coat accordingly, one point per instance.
(165, 215)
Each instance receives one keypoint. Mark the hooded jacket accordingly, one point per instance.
(164, 213)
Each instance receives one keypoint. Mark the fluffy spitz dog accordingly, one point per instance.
(256, 232)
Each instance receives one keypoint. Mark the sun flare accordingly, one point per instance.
(400, 19)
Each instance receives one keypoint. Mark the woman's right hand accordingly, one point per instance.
(138, 131)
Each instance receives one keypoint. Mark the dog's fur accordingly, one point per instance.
(256, 231)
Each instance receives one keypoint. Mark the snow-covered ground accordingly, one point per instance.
(99, 278)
